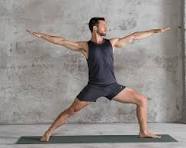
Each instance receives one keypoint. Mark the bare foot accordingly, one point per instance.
(46, 136)
(148, 135)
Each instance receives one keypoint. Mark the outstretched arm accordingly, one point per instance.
(73, 45)
(121, 42)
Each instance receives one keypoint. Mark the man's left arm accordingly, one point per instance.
(123, 41)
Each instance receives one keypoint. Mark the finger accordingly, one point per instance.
(28, 31)
(165, 29)
(36, 34)
(168, 28)
(31, 32)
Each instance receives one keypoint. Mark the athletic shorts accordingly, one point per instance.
(92, 92)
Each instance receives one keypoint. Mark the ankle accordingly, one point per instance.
(49, 131)
(144, 131)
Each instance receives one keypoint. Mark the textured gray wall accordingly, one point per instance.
(184, 45)
(39, 80)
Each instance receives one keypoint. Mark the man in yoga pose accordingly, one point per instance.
(98, 52)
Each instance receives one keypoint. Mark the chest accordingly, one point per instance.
(100, 54)
(100, 51)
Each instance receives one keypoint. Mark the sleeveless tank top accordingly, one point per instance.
(100, 63)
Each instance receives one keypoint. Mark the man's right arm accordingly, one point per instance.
(73, 45)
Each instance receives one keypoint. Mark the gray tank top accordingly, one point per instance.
(100, 63)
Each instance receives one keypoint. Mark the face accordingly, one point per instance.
(102, 28)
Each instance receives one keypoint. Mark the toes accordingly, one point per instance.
(149, 135)
(43, 138)
(157, 136)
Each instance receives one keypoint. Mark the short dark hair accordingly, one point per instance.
(94, 21)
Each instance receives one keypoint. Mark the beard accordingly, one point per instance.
(101, 34)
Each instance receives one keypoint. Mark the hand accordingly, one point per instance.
(161, 29)
(37, 34)
(165, 29)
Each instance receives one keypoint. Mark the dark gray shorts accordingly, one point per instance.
(92, 92)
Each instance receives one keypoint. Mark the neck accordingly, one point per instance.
(96, 38)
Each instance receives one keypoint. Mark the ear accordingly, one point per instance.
(94, 28)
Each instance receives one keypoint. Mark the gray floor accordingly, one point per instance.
(10, 133)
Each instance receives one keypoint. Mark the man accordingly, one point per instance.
(98, 52)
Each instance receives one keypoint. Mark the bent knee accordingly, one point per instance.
(72, 110)
(141, 100)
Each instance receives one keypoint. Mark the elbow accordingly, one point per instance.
(59, 41)
(132, 37)
(135, 35)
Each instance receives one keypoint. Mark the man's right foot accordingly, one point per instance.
(46, 136)
(149, 135)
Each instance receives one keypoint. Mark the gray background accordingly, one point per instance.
(38, 80)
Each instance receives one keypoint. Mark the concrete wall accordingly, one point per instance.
(184, 54)
(38, 80)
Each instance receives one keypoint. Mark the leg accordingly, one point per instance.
(76, 106)
(129, 95)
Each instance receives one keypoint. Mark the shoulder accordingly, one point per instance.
(83, 45)
(113, 42)
(84, 48)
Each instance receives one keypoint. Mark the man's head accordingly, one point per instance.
(98, 25)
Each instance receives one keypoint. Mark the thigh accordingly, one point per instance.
(90, 93)
(78, 104)
(128, 95)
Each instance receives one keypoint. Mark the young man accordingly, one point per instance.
(98, 52)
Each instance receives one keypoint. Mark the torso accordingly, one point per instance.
(100, 62)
